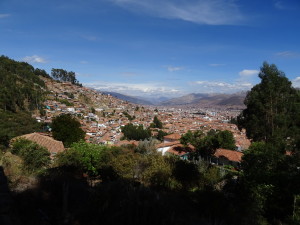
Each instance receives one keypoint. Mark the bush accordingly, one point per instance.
(34, 156)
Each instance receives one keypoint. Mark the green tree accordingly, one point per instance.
(132, 132)
(160, 135)
(90, 158)
(270, 177)
(156, 123)
(34, 156)
(20, 88)
(63, 75)
(206, 145)
(66, 128)
(16, 124)
(192, 138)
(271, 107)
(225, 139)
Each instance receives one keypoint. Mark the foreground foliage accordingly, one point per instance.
(34, 156)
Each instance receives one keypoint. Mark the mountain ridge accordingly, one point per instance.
(209, 99)
(235, 100)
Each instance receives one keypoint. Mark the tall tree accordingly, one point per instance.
(271, 107)
(132, 132)
(67, 129)
(270, 178)
(225, 139)
(63, 75)
(156, 123)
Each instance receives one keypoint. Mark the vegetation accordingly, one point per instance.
(16, 124)
(20, 88)
(206, 145)
(147, 146)
(63, 75)
(21, 91)
(272, 112)
(160, 135)
(270, 175)
(132, 132)
(156, 123)
(67, 129)
(34, 156)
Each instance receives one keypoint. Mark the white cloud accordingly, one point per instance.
(4, 15)
(174, 68)
(222, 87)
(216, 64)
(296, 82)
(34, 59)
(286, 54)
(135, 89)
(248, 72)
(211, 12)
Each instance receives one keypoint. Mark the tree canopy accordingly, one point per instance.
(21, 91)
(63, 75)
(206, 145)
(156, 123)
(272, 107)
(67, 129)
(20, 88)
(132, 132)
(270, 178)
(34, 156)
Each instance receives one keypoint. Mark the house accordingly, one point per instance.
(175, 148)
(227, 157)
(53, 146)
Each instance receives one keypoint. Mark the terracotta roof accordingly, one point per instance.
(172, 151)
(175, 136)
(49, 143)
(229, 154)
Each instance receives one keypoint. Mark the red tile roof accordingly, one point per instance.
(229, 154)
(175, 136)
(49, 143)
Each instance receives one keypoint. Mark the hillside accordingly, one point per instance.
(21, 89)
(186, 99)
(21, 92)
(209, 100)
(132, 99)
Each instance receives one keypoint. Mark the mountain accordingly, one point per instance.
(184, 100)
(209, 100)
(132, 99)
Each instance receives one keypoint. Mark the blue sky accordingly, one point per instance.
(155, 47)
